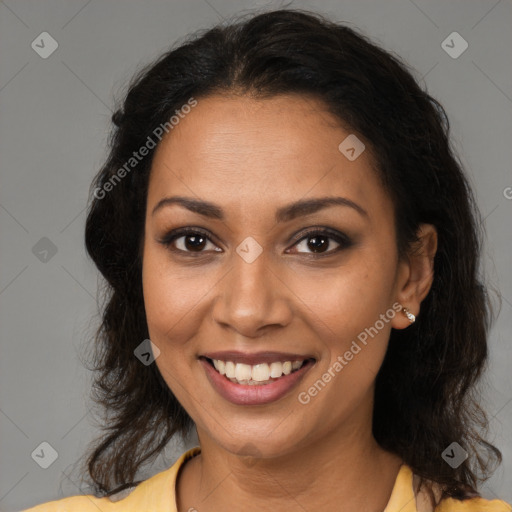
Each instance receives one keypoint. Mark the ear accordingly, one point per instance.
(416, 274)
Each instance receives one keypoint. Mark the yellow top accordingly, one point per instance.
(157, 494)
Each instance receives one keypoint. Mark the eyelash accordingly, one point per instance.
(340, 238)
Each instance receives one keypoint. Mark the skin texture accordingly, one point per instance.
(251, 157)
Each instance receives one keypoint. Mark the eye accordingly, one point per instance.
(189, 240)
(316, 241)
(321, 241)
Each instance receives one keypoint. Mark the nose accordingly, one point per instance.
(252, 297)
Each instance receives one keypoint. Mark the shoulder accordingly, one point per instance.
(473, 505)
(157, 492)
(86, 503)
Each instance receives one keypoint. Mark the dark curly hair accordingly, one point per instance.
(425, 396)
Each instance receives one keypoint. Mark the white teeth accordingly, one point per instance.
(230, 369)
(242, 372)
(220, 366)
(296, 365)
(255, 374)
(260, 372)
(276, 370)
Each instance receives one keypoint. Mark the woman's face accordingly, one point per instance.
(266, 281)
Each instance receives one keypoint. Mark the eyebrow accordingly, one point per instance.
(284, 214)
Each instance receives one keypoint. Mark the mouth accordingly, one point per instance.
(259, 374)
(255, 379)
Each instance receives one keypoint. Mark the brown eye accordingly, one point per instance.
(189, 241)
(322, 242)
(193, 242)
(317, 244)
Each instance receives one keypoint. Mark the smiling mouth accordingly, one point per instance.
(257, 374)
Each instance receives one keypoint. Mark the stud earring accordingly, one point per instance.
(409, 315)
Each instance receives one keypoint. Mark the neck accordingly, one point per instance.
(339, 469)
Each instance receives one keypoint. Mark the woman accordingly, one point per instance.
(281, 214)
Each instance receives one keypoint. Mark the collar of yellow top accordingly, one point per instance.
(156, 492)
(402, 496)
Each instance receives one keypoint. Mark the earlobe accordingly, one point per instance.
(418, 276)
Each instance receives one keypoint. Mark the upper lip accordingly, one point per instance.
(256, 357)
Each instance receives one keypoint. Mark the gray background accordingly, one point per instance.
(54, 122)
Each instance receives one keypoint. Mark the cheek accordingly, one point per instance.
(351, 296)
(176, 302)
(169, 297)
(345, 308)
(169, 304)
(346, 318)
(166, 304)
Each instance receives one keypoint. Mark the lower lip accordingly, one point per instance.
(241, 394)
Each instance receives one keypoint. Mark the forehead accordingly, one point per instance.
(240, 151)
